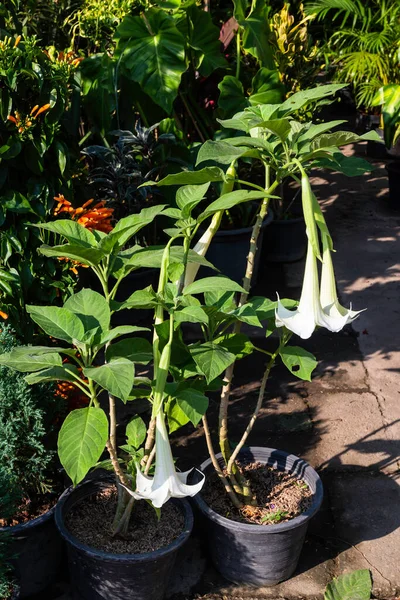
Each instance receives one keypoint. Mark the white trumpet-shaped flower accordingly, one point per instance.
(328, 294)
(310, 313)
(167, 482)
(202, 246)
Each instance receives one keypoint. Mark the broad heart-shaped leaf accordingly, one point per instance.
(127, 227)
(193, 403)
(204, 39)
(59, 373)
(236, 343)
(211, 359)
(209, 284)
(191, 314)
(153, 54)
(112, 334)
(220, 152)
(188, 196)
(60, 323)
(116, 377)
(256, 35)
(299, 362)
(267, 87)
(206, 175)
(301, 99)
(87, 256)
(227, 201)
(91, 307)
(25, 360)
(232, 98)
(136, 432)
(81, 441)
(350, 586)
(136, 350)
(76, 234)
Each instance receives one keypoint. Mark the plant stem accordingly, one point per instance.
(235, 500)
(238, 54)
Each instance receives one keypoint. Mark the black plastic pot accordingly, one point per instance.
(229, 249)
(393, 170)
(37, 551)
(97, 575)
(285, 241)
(260, 555)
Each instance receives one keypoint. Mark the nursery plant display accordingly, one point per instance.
(30, 482)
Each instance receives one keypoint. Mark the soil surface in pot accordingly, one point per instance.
(280, 496)
(91, 520)
(31, 508)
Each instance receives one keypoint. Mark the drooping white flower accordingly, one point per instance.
(328, 294)
(167, 482)
(309, 314)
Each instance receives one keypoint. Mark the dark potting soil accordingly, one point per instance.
(31, 509)
(91, 520)
(280, 496)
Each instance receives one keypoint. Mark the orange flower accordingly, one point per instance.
(17, 41)
(91, 217)
(3, 315)
(42, 109)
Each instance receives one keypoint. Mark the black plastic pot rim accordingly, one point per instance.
(128, 558)
(233, 232)
(22, 527)
(263, 529)
(289, 221)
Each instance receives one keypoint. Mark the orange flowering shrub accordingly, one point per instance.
(91, 217)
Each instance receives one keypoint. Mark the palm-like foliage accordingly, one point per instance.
(365, 47)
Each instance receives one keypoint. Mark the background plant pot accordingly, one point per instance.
(285, 241)
(393, 169)
(229, 249)
(97, 575)
(260, 555)
(37, 548)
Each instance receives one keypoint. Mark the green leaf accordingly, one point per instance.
(59, 373)
(87, 256)
(232, 98)
(220, 152)
(314, 130)
(256, 34)
(209, 284)
(129, 226)
(227, 201)
(137, 350)
(25, 359)
(136, 432)
(350, 586)
(81, 441)
(236, 343)
(279, 127)
(153, 54)
(175, 271)
(267, 87)
(193, 404)
(206, 175)
(204, 39)
(118, 331)
(152, 257)
(352, 166)
(60, 323)
(211, 359)
(15, 202)
(176, 417)
(189, 196)
(76, 234)
(116, 377)
(301, 99)
(389, 97)
(191, 314)
(299, 362)
(140, 299)
(61, 152)
(92, 309)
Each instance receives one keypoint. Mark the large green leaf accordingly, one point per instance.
(59, 373)
(193, 404)
(136, 350)
(204, 39)
(116, 377)
(81, 441)
(153, 54)
(209, 284)
(342, 138)
(136, 432)
(227, 201)
(236, 343)
(352, 166)
(26, 360)
(189, 196)
(267, 87)
(350, 586)
(221, 152)
(87, 256)
(232, 98)
(60, 323)
(211, 359)
(206, 175)
(191, 314)
(256, 34)
(301, 99)
(127, 227)
(112, 334)
(176, 417)
(317, 129)
(91, 307)
(98, 90)
(76, 234)
(299, 362)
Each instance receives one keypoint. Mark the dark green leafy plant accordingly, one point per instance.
(356, 585)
